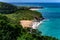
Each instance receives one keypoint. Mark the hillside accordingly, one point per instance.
(18, 13)
(24, 15)
(7, 8)
(11, 30)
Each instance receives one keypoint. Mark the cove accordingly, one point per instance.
(51, 23)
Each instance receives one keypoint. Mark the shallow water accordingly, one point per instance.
(51, 23)
(51, 13)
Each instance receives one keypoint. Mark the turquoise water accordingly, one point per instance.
(51, 13)
(51, 23)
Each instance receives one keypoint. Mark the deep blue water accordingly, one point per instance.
(38, 4)
(51, 13)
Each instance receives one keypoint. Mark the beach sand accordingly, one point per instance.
(26, 23)
(34, 9)
(30, 24)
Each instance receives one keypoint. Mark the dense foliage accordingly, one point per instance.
(7, 8)
(19, 12)
(24, 15)
(23, 8)
(10, 29)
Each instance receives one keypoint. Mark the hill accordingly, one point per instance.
(7, 8)
(11, 30)
(19, 13)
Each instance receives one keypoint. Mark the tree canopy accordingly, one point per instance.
(7, 8)
(11, 31)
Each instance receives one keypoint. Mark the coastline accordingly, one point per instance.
(36, 24)
(32, 23)
(34, 9)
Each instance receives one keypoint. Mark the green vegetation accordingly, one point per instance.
(21, 13)
(24, 15)
(7, 8)
(10, 29)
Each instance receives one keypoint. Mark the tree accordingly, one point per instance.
(8, 31)
(7, 8)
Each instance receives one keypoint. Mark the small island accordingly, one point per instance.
(15, 23)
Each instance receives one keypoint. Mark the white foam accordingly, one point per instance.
(34, 9)
(36, 24)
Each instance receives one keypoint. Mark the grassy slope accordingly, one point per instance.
(24, 15)
(18, 13)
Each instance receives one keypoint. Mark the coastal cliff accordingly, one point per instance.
(10, 23)
(18, 14)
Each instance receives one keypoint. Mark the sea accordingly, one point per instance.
(51, 12)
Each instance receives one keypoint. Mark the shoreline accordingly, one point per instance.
(34, 9)
(36, 24)
(32, 23)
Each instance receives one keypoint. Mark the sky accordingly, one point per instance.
(38, 1)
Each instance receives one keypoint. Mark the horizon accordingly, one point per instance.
(31, 1)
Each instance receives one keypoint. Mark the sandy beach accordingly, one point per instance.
(34, 9)
(30, 24)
